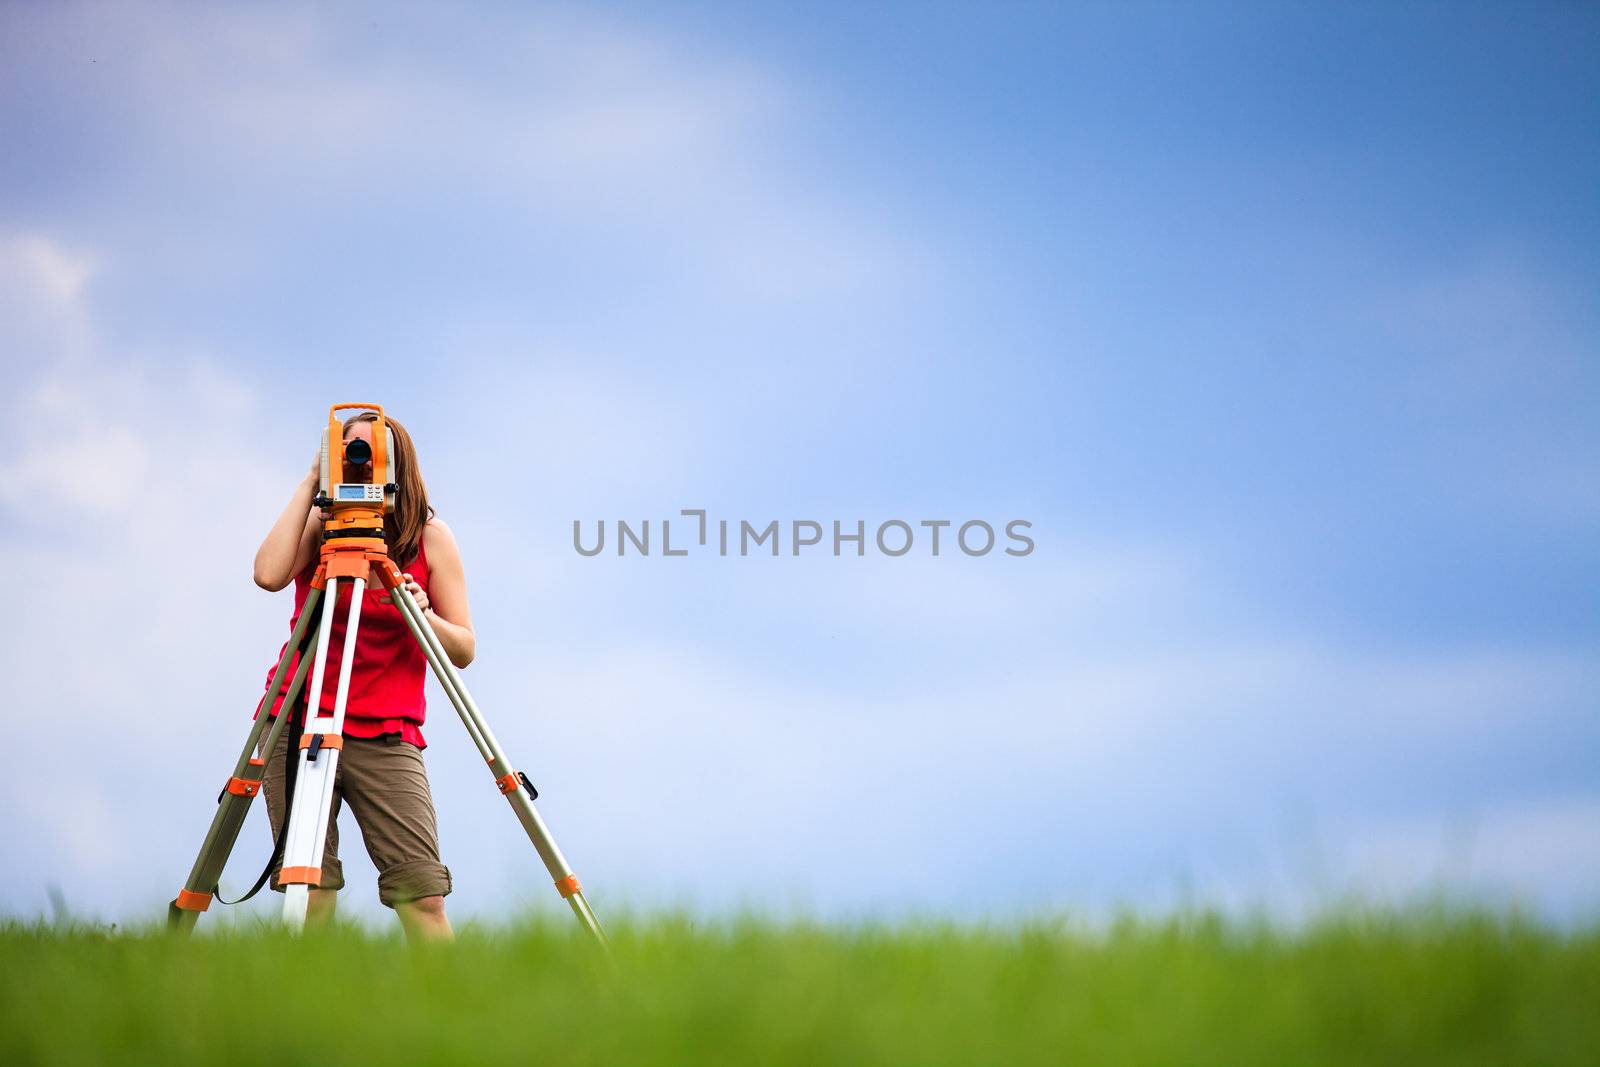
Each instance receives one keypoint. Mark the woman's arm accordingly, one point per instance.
(445, 603)
(292, 540)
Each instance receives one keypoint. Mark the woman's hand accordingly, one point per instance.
(419, 594)
(292, 542)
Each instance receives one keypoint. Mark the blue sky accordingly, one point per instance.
(1279, 326)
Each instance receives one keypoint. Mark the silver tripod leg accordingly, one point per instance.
(510, 782)
(319, 763)
(233, 803)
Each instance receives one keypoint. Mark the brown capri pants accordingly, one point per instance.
(383, 781)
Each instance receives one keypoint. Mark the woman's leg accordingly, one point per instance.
(424, 919)
(320, 909)
(386, 786)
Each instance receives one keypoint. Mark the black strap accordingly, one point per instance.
(291, 767)
(291, 771)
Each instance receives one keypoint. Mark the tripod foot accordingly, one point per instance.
(185, 910)
(296, 901)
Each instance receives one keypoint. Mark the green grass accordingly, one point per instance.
(1358, 987)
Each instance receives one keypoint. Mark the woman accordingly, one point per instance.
(380, 773)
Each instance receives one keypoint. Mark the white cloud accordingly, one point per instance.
(75, 465)
(579, 124)
(1541, 852)
(1182, 757)
(1530, 849)
(43, 283)
(1504, 373)
(120, 524)
(47, 268)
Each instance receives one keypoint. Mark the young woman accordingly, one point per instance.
(380, 774)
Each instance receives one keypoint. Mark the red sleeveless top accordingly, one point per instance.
(387, 673)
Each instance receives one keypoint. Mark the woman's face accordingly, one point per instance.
(358, 472)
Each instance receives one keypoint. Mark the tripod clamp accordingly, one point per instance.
(510, 782)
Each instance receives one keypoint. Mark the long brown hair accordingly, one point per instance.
(402, 529)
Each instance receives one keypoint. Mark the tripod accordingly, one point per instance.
(353, 550)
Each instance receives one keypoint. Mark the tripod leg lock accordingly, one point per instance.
(513, 780)
(300, 876)
(317, 742)
(245, 787)
(568, 886)
(188, 901)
